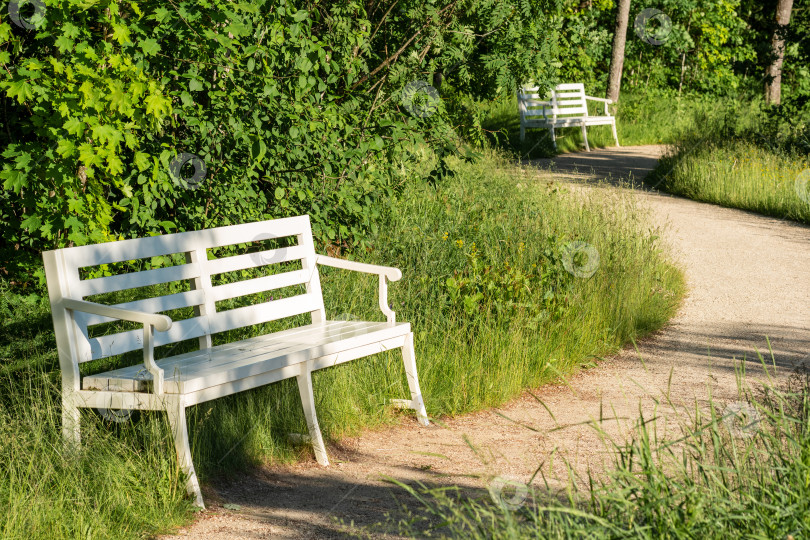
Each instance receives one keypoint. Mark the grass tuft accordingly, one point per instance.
(726, 474)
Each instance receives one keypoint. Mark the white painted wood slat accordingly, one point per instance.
(261, 284)
(133, 280)
(142, 248)
(197, 370)
(570, 86)
(222, 321)
(124, 342)
(131, 379)
(270, 377)
(157, 304)
(253, 260)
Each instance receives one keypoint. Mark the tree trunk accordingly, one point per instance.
(773, 76)
(617, 58)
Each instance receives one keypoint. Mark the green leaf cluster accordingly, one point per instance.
(293, 107)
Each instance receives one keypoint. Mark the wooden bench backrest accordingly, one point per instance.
(62, 268)
(567, 100)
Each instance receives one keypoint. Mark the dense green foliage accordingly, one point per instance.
(486, 288)
(292, 108)
(712, 46)
(307, 107)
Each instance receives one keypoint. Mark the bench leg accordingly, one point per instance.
(585, 138)
(553, 137)
(409, 359)
(71, 421)
(176, 411)
(615, 136)
(522, 133)
(308, 402)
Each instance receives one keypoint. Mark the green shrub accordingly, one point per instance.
(125, 120)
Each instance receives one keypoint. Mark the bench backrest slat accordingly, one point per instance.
(150, 305)
(63, 272)
(565, 100)
(252, 260)
(134, 280)
(223, 321)
(260, 284)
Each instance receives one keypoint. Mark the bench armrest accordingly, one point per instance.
(602, 100)
(393, 274)
(160, 322)
(150, 321)
(389, 272)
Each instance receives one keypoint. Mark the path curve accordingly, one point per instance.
(748, 278)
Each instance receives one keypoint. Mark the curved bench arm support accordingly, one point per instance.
(385, 272)
(603, 100)
(150, 322)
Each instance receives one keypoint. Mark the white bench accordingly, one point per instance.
(568, 107)
(183, 380)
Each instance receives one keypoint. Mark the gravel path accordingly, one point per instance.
(748, 280)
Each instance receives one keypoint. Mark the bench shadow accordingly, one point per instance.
(308, 501)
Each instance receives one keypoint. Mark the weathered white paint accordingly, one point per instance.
(183, 380)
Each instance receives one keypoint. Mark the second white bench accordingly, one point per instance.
(567, 106)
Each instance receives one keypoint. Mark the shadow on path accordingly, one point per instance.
(616, 166)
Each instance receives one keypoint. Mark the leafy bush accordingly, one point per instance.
(133, 119)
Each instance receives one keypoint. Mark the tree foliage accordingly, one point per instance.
(291, 107)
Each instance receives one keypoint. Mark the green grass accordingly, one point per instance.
(722, 476)
(491, 319)
(738, 173)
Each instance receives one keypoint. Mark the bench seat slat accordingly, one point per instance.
(197, 370)
(269, 377)
(319, 337)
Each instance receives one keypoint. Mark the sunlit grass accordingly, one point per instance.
(739, 174)
(533, 323)
(736, 470)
